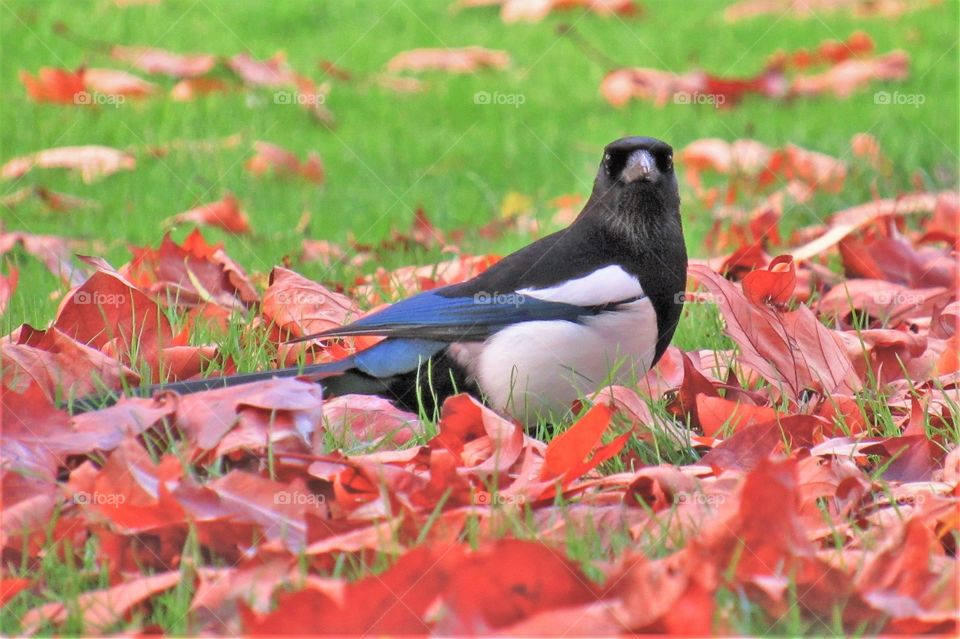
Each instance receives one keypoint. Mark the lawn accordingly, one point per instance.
(463, 162)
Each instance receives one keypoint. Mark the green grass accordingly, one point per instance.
(392, 152)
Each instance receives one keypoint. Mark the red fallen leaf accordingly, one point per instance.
(55, 253)
(396, 601)
(8, 286)
(829, 52)
(673, 595)
(756, 440)
(369, 419)
(867, 147)
(949, 361)
(54, 85)
(388, 285)
(904, 582)
(219, 590)
(843, 414)
(105, 429)
(191, 88)
(477, 437)
(658, 487)
(279, 509)
(114, 82)
(37, 437)
(716, 413)
(661, 87)
(462, 60)
(568, 450)
(327, 253)
(883, 301)
(103, 608)
(792, 350)
(744, 9)
(10, 587)
(312, 98)
(587, 620)
(92, 162)
(183, 362)
(163, 62)
(273, 72)
(206, 417)
(507, 581)
(911, 458)
(740, 157)
(53, 200)
(299, 307)
(130, 490)
(535, 10)
(894, 259)
(773, 285)
(225, 213)
(109, 308)
(767, 529)
(191, 274)
(270, 156)
(945, 221)
(889, 354)
(60, 365)
(851, 76)
(400, 84)
(26, 518)
(817, 170)
(845, 222)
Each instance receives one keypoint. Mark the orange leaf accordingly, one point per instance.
(569, 449)
(773, 285)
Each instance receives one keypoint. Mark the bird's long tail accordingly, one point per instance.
(337, 378)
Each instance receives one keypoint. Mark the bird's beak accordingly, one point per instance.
(640, 165)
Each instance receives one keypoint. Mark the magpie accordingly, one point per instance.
(593, 304)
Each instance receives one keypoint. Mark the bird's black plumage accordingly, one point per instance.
(630, 228)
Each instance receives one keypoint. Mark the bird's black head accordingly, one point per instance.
(636, 185)
(637, 160)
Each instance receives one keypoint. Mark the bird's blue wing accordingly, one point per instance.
(434, 316)
(395, 356)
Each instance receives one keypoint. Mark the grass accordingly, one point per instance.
(390, 153)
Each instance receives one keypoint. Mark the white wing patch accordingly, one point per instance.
(603, 286)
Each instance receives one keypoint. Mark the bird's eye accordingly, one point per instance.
(666, 162)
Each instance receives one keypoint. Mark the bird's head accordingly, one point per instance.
(636, 176)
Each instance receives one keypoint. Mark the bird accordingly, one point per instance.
(594, 304)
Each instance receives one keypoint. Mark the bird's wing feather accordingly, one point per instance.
(433, 316)
(395, 356)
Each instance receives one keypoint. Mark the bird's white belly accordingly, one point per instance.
(540, 368)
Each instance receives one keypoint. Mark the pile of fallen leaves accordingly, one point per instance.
(827, 482)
